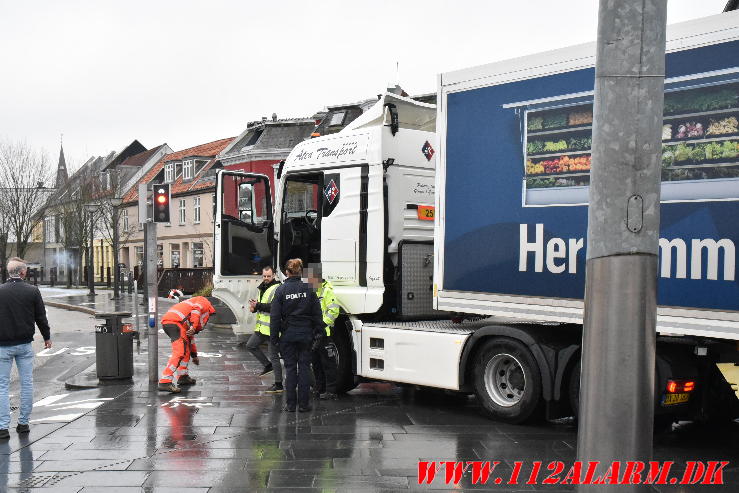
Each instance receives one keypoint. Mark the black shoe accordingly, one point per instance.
(185, 380)
(328, 396)
(22, 428)
(267, 370)
(168, 387)
(304, 409)
(286, 408)
(276, 388)
(4, 434)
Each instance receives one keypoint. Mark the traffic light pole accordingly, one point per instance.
(151, 292)
(619, 335)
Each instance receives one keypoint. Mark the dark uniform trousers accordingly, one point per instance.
(324, 365)
(297, 357)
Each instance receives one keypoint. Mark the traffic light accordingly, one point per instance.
(161, 203)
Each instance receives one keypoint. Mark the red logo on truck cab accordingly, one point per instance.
(331, 192)
(428, 151)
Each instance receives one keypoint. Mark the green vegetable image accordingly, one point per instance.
(729, 150)
(682, 153)
(555, 120)
(580, 143)
(535, 147)
(535, 123)
(700, 100)
(668, 156)
(713, 151)
(698, 154)
(557, 146)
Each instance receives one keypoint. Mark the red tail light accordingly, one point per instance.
(677, 386)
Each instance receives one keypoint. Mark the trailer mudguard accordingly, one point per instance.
(544, 341)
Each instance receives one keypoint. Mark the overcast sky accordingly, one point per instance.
(188, 72)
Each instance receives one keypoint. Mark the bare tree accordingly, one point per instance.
(4, 233)
(23, 175)
(74, 221)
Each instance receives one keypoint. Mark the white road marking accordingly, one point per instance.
(55, 403)
(209, 355)
(47, 401)
(63, 418)
(51, 351)
(80, 351)
(197, 402)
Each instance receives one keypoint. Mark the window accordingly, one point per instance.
(175, 255)
(50, 229)
(140, 255)
(213, 217)
(187, 169)
(245, 202)
(196, 210)
(197, 255)
(337, 118)
(169, 173)
(302, 201)
(125, 219)
(182, 211)
(254, 137)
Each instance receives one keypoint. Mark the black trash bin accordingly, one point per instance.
(113, 347)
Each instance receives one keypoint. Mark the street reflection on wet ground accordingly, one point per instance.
(226, 435)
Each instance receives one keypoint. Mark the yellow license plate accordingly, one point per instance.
(671, 399)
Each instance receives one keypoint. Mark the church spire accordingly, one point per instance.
(61, 169)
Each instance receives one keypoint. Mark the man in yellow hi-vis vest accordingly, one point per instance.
(262, 307)
(325, 354)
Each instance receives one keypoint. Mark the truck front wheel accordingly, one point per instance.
(507, 380)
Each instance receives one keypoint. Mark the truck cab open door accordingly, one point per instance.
(243, 237)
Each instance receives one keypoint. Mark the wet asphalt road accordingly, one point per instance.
(227, 435)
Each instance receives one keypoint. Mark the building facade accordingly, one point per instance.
(187, 240)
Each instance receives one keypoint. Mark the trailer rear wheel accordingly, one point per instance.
(507, 380)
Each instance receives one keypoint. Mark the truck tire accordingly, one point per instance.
(345, 380)
(507, 381)
(573, 390)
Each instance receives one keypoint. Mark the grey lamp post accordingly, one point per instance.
(116, 203)
(91, 209)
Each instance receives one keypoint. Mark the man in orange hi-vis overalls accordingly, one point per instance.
(181, 323)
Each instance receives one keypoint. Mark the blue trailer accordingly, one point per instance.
(454, 235)
(512, 180)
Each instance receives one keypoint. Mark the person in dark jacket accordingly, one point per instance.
(21, 309)
(262, 308)
(295, 322)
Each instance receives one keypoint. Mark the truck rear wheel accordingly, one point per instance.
(507, 381)
(345, 380)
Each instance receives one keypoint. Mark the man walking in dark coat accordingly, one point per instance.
(21, 309)
(296, 321)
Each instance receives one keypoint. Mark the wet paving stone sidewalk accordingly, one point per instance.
(225, 434)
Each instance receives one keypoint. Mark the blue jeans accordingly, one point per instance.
(23, 355)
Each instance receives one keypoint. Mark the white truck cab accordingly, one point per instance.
(356, 201)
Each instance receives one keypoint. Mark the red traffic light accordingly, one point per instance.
(161, 203)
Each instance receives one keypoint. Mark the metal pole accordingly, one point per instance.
(90, 267)
(116, 280)
(151, 290)
(136, 306)
(619, 338)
